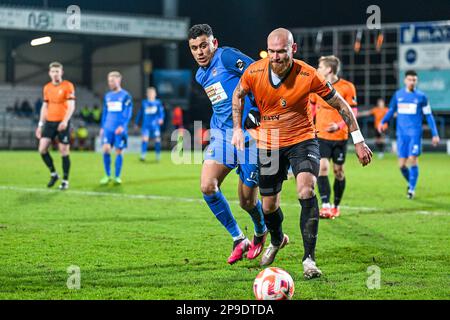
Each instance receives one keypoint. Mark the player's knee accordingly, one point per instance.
(305, 192)
(339, 173)
(247, 204)
(118, 151)
(106, 148)
(208, 187)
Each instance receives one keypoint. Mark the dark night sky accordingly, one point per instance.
(244, 24)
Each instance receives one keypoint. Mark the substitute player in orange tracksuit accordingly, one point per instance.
(333, 135)
(281, 86)
(54, 121)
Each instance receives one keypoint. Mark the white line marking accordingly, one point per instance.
(171, 198)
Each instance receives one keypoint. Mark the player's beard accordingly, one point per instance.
(280, 68)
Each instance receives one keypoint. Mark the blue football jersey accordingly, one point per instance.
(117, 110)
(410, 108)
(150, 114)
(219, 80)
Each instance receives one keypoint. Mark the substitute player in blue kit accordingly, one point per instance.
(150, 118)
(411, 105)
(219, 72)
(117, 111)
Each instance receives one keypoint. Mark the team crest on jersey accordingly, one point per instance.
(214, 72)
(283, 103)
(240, 64)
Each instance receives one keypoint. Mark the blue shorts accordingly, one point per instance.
(118, 141)
(408, 146)
(222, 151)
(151, 132)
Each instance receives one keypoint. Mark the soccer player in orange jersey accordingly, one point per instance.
(378, 112)
(54, 121)
(281, 86)
(332, 132)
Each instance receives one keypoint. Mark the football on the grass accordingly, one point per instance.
(273, 284)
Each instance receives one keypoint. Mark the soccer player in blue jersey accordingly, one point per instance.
(219, 72)
(411, 105)
(150, 118)
(117, 111)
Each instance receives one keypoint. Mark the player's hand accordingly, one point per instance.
(435, 141)
(333, 127)
(238, 139)
(381, 128)
(38, 132)
(62, 126)
(364, 153)
(161, 122)
(119, 130)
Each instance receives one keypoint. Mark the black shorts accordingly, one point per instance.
(274, 164)
(50, 131)
(336, 150)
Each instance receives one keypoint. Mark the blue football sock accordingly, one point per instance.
(413, 175)
(219, 206)
(158, 149)
(107, 163)
(257, 216)
(144, 147)
(119, 161)
(405, 172)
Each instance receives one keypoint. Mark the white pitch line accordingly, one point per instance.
(171, 198)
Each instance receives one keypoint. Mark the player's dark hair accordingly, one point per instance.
(199, 30)
(410, 73)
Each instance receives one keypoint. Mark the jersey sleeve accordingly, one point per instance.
(139, 114)
(104, 113)
(350, 95)
(162, 113)
(45, 94)
(246, 81)
(322, 87)
(235, 61)
(392, 109)
(426, 110)
(70, 91)
(127, 110)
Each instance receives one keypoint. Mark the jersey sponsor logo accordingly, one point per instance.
(114, 106)
(407, 108)
(216, 93)
(302, 73)
(240, 64)
(256, 70)
(151, 110)
(309, 155)
(271, 118)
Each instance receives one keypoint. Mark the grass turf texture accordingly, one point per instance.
(132, 247)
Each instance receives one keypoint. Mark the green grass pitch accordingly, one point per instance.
(154, 238)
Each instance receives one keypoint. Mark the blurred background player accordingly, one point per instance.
(54, 121)
(333, 135)
(177, 122)
(117, 111)
(150, 118)
(378, 112)
(411, 105)
(287, 137)
(219, 72)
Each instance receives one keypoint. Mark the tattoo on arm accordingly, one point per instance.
(238, 105)
(345, 111)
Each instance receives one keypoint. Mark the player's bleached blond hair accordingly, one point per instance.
(55, 64)
(116, 74)
(331, 61)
